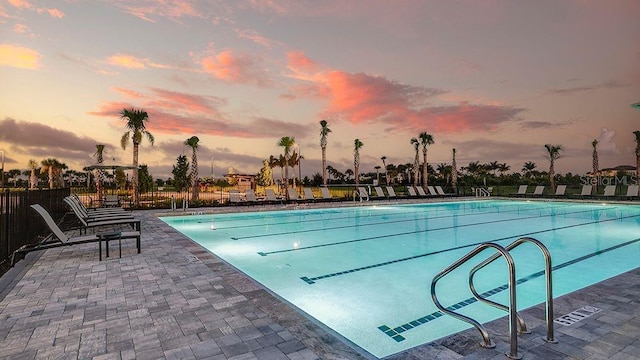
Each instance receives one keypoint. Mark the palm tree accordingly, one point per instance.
(357, 144)
(594, 161)
(287, 143)
(294, 160)
(324, 131)
(503, 168)
(527, 168)
(637, 134)
(135, 129)
(416, 160)
(192, 142)
(377, 167)
(425, 140)
(386, 172)
(99, 177)
(553, 154)
(33, 180)
(53, 168)
(454, 173)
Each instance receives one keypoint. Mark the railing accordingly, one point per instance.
(18, 225)
(514, 317)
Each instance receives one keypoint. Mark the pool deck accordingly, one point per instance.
(175, 300)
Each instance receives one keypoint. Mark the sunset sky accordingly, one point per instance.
(494, 79)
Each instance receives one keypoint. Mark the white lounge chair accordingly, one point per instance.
(586, 190)
(234, 197)
(58, 238)
(308, 194)
(560, 190)
(292, 194)
(326, 195)
(390, 192)
(412, 191)
(270, 195)
(538, 191)
(361, 193)
(522, 190)
(420, 191)
(632, 191)
(379, 192)
(250, 196)
(609, 191)
(432, 191)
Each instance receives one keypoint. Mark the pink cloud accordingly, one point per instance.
(256, 38)
(235, 68)
(26, 5)
(146, 10)
(363, 98)
(126, 61)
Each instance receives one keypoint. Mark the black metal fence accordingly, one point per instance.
(19, 224)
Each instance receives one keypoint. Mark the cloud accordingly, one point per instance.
(148, 9)
(365, 98)
(606, 143)
(611, 84)
(256, 38)
(543, 124)
(26, 5)
(126, 61)
(19, 57)
(43, 140)
(235, 68)
(177, 113)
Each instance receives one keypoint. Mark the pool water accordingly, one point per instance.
(365, 272)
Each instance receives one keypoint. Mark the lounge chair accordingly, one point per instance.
(361, 193)
(390, 192)
(326, 195)
(234, 197)
(271, 195)
(379, 192)
(58, 238)
(632, 192)
(420, 191)
(538, 191)
(93, 216)
(432, 191)
(560, 190)
(292, 194)
(412, 191)
(441, 191)
(586, 190)
(91, 210)
(609, 191)
(126, 219)
(250, 196)
(522, 190)
(308, 194)
(111, 201)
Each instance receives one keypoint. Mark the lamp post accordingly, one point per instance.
(299, 166)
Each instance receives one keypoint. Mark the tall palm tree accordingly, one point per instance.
(287, 143)
(594, 161)
(192, 142)
(99, 177)
(425, 140)
(357, 144)
(324, 131)
(416, 160)
(135, 129)
(33, 180)
(637, 135)
(454, 173)
(54, 170)
(386, 172)
(553, 154)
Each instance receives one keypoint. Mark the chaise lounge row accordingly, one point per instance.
(586, 192)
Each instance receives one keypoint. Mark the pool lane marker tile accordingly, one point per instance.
(576, 315)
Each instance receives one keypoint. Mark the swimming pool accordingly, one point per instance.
(365, 271)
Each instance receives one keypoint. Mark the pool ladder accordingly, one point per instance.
(515, 320)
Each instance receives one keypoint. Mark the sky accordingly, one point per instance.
(496, 80)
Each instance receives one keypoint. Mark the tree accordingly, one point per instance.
(357, 145)
(135, 130)
(324, 131)
(594, 161)
(416, 160)
(99, 176)
(637, 135)
(377, 167)
(54, 170)
(528, 168)
(287, 143)
(145, 180)
(553, 154)
(294, 160)
(192, 142)
(265, 175)
(425, 140)
(386, 173)
(454, 173)
(180, 170)
(33, 180)
(120, 179)
(348, 174)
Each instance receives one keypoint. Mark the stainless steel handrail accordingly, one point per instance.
(513, 354)
(549, 283)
